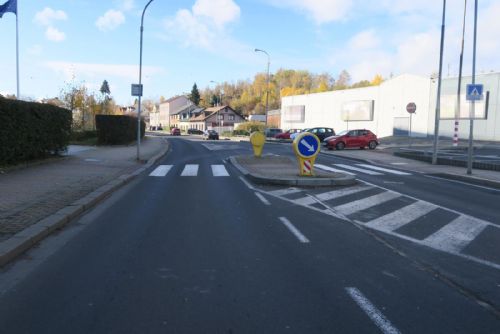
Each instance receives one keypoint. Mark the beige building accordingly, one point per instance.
(220, 119)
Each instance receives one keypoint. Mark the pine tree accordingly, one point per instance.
(195, 95)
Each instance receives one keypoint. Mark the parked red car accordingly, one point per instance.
(286, 134)
(175, 132)
(352, 138)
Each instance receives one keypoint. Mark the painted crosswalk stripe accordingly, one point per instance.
(308, 200)
(161, 170)
(456, 235)
(365, 203)
(369, 172)
(390, 171)
(190, 170)
(401, 217)
(340, 193)
(219, 170)
(331, 169)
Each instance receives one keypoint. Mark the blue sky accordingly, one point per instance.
(203, 40)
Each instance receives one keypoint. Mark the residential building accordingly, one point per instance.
(171, 107)
(221, 119)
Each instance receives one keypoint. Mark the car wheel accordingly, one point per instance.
(329, 148)
(340, 146)
(372, 145)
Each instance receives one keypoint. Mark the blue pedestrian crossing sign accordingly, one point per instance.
(474, 92)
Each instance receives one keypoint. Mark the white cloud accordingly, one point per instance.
(98, 71)
(54, 35)
(321, 11)
(204, 25)
(111, 20)
(48, 15)
(125, 5)
(367, 39)
(220, 12)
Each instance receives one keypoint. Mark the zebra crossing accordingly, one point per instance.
(361, 169)
(189, 170)
(396, 214)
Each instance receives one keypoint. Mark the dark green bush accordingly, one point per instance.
(30, 130)
(117, 129)
(241, 133)
(251, 127)
(83, 135)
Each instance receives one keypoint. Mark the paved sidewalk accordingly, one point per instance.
(30, 194)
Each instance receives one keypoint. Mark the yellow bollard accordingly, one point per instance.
(306, 147)
(257, 139)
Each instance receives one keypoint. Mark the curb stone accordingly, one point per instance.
(22, 241)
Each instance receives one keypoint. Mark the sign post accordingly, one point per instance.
(411, 108)
(306, 147)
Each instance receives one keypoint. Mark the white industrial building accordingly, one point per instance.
(382, 108)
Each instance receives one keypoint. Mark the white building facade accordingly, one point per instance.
(382, 109)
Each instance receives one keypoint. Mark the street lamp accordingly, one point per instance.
(140, 84)
(267, 92)
(219, 104)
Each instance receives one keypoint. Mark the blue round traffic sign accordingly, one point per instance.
(307, 145)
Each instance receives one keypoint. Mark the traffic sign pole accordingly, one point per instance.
(411, 108)
(473, 106)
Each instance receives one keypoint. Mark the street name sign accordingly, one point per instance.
(136, 89)
(474, 92)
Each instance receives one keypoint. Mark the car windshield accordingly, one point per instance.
(343, 132)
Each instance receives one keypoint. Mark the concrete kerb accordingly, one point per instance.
(292, 181)
(22, 241)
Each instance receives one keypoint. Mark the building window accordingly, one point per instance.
(230, 117)
(220, 117)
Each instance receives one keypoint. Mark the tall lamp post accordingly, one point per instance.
(267, 91)
(220, 103)
(140, 84)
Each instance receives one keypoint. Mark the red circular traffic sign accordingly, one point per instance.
(411, 107)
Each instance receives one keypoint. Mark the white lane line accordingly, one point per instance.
(249, 186)
(365, 203)
(161, 170)
(284, 192)
(262, 198)
(372, 312)
(308, 200)
(219, 170)
(331, 169)
(391, 171)
(461, 182)
(302, 238)
(190, 170)
(340, 193)
(369, 172)
(456, 235)
(403, 216)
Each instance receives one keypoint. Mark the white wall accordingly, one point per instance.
(391, 98)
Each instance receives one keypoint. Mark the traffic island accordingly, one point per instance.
(282, 170)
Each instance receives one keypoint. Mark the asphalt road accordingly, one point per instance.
(212, 254)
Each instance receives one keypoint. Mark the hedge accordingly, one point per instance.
(30, 130)
(117, 129)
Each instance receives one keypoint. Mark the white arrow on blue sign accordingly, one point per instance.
(308, 146)
(474, 92)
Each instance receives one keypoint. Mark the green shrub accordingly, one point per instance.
(117, 129)
(30, 130)
(241, 133)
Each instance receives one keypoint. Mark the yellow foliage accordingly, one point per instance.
(377, 80)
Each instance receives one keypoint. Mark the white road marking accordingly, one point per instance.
(284, 192)
(365, 203)
(461, 182)
(161, 170)
(249, 186)
(369, 172)
(403, 216)
(190, 170)
(262, 198)
(340, 193)
(219, 170)
(302, 238)
(330, 169)
(307, 200)
(390, 171)
(454, 236)
(372, 312)
(399, 163)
